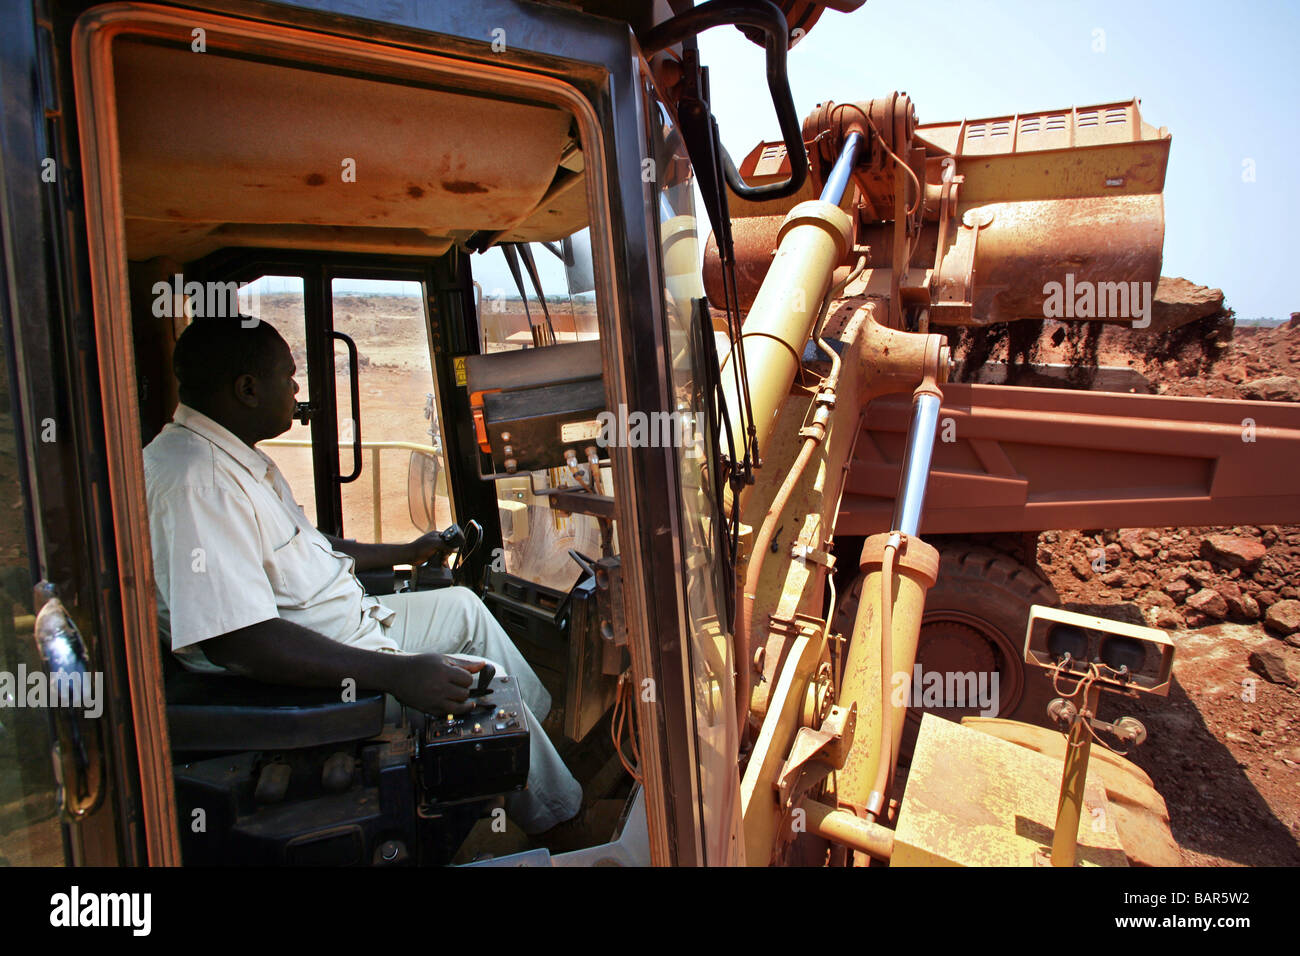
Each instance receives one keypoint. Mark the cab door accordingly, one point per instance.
(391, 468)
(70, 782)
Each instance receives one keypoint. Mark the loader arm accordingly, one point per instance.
(951, 225)
(789, 684)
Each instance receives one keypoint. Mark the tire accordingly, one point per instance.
(990, 593)
(975, 620)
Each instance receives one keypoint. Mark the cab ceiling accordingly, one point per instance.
(219, 151)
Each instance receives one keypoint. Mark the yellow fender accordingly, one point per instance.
(1141, 817)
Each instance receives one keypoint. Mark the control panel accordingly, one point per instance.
(482, 752)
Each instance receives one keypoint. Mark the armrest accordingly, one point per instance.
(217, 712)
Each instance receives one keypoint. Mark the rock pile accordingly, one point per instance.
(1183, 577)
(1197, 577)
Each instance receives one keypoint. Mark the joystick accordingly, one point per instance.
(483, 687)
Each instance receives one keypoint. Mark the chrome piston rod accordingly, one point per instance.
(910, 500)
(838, 180)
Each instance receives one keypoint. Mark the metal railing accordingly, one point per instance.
(376, 480)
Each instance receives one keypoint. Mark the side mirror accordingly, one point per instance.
(422, 489)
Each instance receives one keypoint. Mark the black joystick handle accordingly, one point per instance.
(484, 680)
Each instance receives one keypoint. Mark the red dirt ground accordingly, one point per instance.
(1222, 748)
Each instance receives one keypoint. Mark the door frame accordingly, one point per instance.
(599, 55)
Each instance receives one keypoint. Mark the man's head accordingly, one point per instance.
(239, 372)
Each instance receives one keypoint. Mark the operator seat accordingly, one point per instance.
(218, 712)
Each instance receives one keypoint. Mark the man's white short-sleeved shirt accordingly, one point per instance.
(231, 547)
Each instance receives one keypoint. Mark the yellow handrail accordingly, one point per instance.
(306, 443)
(376, 487)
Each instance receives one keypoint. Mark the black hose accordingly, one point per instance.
(762, 15)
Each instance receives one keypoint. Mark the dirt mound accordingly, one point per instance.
(1188, 577)
(1177, 577)
(1255, 356)
(1222, 749)
(1191, 334)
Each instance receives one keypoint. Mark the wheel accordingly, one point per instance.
(974, 623)
(975, 620)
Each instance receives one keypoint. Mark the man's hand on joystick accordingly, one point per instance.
(484, 685)
(440, 684)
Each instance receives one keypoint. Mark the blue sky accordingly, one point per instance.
(1223, 78)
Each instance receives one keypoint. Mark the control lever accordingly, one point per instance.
(453, 539)
(483, 687)
(434, 572)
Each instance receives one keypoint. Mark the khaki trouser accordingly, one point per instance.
(455, 621)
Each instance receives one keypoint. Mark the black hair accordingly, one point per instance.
(212, 353)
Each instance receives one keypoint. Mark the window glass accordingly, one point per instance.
(507, 319)
(402, 490)
(712, 668)
(278, 300)
(538, 538)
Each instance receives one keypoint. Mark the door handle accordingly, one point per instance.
(353, 375)
(78, 744)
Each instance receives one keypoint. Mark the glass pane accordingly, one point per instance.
(30, 830)
(538, 539)
(712, 668)
(402, 490)
(507, 319)
(279, 301)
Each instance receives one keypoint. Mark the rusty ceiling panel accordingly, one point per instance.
(211, 140)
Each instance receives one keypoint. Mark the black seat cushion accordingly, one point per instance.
(213, 712)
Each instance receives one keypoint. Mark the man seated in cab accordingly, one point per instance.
(247, 585)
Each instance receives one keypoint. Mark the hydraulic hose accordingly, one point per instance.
(762, 15)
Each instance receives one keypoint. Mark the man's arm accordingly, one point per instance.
(281, 652)
(370, 557)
